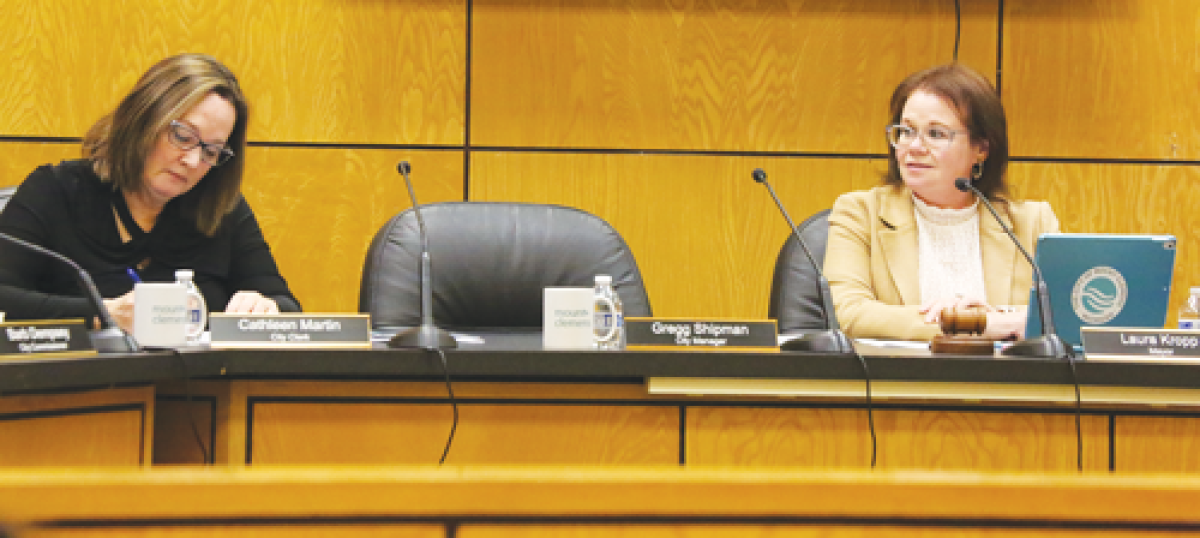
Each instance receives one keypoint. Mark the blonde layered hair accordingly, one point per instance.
(120, 142)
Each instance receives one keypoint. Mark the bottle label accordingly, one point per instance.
(603, 321)
(1187, 324)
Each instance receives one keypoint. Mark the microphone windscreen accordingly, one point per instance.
(759, 175)
(404, 168)
(963, 184)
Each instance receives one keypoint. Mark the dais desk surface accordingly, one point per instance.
(507, 356)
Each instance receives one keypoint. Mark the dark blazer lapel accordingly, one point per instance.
(898, 241)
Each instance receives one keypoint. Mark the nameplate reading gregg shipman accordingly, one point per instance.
(667, 333)
(290, 330)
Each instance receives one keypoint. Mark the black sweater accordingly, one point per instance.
(67, 209)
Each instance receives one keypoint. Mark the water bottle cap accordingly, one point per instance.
(603, 279)
(184, 274)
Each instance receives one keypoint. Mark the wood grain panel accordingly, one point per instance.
(705, 235)
(320, 207)
(260, 530)
(660, 497)
(183, 433)
(774, 436)
(104, 427)
(990, 441)
(377, 433)
(774, 75)
(177, 444)
(18, 159)
(1103, 79)
(82, 438)
(816, 530)
(418, 389)
(317, 71)
(1124, 198)
(930, 439)
(1157, 444)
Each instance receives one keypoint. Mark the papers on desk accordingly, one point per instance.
(467, 338)
(903, 344)
(870, 346)
(462, 338)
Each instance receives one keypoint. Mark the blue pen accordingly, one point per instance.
(133, 275)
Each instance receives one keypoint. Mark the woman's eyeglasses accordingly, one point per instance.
(185, 138)
(935, 137)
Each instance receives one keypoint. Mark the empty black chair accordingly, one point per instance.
(491, 261)
(795, 301)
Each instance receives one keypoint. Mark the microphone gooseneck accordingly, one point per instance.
(109, 338)
(1049, 344)
(831, 339)
(427, 335)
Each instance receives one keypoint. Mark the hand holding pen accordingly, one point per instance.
(121, 307)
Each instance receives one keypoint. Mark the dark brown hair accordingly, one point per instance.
(978, 106)
(120, 142)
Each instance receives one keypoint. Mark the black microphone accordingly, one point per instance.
(1049, 344)
(109, 338)
(831, 339)
(427, 335)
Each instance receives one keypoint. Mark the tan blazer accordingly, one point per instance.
(871, 260)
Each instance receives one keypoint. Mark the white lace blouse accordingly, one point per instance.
(950, 260)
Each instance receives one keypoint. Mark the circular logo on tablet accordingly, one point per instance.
(1099, 295)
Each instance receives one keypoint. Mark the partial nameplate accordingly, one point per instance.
(1164, 345)
(290, 330)
(45, 338)
(723, 334)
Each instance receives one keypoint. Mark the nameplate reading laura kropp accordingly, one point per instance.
(290, 330)
(659, 333)
(1115, 343)
(45, 338)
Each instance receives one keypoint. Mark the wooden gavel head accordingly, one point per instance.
(969, 320)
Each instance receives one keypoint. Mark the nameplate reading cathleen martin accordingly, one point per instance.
(45, 338)
(668, 333)
(1166, 345)
(290, 330)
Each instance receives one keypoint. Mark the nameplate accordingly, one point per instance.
(724, 334)
(25, 339)
(290, 330)
(1140, 344)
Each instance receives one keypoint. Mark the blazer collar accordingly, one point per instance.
(898, 238)
(1000, 255)
(898, 242)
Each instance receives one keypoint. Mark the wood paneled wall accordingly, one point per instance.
(649, 113)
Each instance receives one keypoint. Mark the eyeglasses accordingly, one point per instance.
(187, 139)
(935, 137)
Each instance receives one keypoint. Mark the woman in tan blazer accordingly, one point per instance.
(901, 252)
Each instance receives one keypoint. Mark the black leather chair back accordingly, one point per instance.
(491, 261)
(5, 194)
(795, 302)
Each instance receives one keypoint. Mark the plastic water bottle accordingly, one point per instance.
(197, 311)
(1189, 313)
(609, 319)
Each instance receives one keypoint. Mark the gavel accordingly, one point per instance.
(968, 320)
(962, 332)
